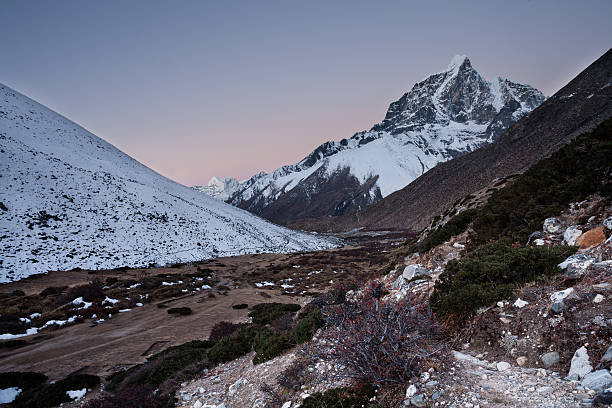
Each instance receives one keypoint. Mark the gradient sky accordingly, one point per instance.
(201, 88)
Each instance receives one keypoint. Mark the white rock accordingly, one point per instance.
(571, 235)
(197, 404)
(598, 380)
(598, 298)
(539, 242)
(608, 223)
(520, 303)
(413, 271)
(552, 225)
(410, 391)
(503, 366)
(580, 365)
(287, 404)
(562, 294)
(234, 387)
(458, 245)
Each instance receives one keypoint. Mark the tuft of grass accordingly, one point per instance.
(181, 311)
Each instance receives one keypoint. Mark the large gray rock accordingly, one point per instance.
(597, 380)
(608, 356)
(575, 265)
(414, 271)
(571, 235)
(418, 400)
(550, 359)
(580, 365)
(558, 299)
(608, 223)
(552, 225)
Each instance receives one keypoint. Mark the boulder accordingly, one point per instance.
(234, 387)
(591, 238)
(287, 404)
(520, 303)
(558, 304)
(197, 404)
(576, 265)
(502, 366)
(607, 357)
(552, 225)
(571, 235)
(410, 391)
(521, 361)
(580, 365)
(608, 223)
(550, 359)
(603, 399)
(414, 271)
(597, 380)
(418, 400)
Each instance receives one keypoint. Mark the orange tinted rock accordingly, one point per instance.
(592, 237)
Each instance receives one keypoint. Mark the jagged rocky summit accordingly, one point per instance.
(448, 114)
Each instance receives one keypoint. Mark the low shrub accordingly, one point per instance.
(223, 329)
(295, 375)
(237, 345)
(52, 395)
(378, 342)
(265, 313)
(307, 326)
(269, 344)
(90, 292)
(341, 398)
(490, 273)
(24, 380)
(133, 396)
(454, 226)
(182, 311)
(240, 306)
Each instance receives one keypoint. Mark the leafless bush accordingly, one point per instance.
(383, 343)
(295, 375)
(223, 329)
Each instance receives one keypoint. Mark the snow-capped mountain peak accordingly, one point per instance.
(219, 188)
(447, 114)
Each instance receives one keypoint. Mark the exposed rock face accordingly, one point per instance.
(577, 108)
(580, 365)
(448, 114)
(571, 235)
(592, 237)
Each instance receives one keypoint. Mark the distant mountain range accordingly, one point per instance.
(68, 199)
(448, 114)
(578, 107)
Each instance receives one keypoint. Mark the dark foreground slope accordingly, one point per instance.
(578, 107)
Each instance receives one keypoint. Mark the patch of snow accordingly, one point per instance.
(77, 394)
(110, 301)
(264, 283)
(8, 395)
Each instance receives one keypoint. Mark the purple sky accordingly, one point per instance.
(195, 89)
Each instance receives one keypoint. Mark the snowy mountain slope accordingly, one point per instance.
(444, 116)
(69, 199)
(221, 189)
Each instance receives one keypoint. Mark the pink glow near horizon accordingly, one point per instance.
(213, 89)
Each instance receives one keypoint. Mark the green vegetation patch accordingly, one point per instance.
(454, 226)
(265, 313)
(579, 169)
(341, 398)
(490, 273)
(51, 395)
(307, 326)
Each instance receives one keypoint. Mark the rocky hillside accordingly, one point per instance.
(71, 200)
(579, 106)
(448, 114)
